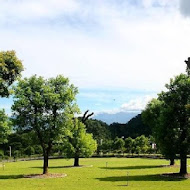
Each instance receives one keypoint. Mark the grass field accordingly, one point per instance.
(143, 174)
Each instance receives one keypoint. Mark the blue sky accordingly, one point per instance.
(119, 53)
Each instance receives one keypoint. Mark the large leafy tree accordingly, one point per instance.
(160, 121)
(44, 105)
(10, 70)
(173, 128)
(176, 99)
(79, 143)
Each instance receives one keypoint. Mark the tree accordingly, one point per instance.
(129, 144)
(176, 99)
(5, 126)
(107, 146)
(10, 70)
(141, 144)
(44, 105)
(161, 121)
(172, 128)
(79, 143)
(119, 145)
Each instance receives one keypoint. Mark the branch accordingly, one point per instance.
(86, 116)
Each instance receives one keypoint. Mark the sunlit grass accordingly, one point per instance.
(106, 173)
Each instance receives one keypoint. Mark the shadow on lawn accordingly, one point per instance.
(11, 176)
(156, 177)
(132, 167)
(40, 167)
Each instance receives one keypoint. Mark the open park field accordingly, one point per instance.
(143, 174)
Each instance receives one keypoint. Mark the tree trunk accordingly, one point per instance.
(172, 161)
(183, 164)
(45, 166)
(76, 161)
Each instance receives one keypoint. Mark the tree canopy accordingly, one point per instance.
(10, 70)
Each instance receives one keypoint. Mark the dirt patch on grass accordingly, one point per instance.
(41, 176)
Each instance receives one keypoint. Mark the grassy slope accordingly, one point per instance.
(144, 174)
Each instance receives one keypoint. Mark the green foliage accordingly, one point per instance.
(106, 147)
(16, 154)
(29, 151)
(152, 112)
(38, 149)
(141, 144)
(119, 145)
(134, 128)
(44, 106)
(10, 70)
(1, 154)
(20, 141)
(129, 142)
(79, 143)
(138, 145)
(169, 118)
(5, 126)
(99, 129)
(161, 122)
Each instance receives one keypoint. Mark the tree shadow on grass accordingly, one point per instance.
(40, 167)
(132, 167)
(156, 177)
(11, 176)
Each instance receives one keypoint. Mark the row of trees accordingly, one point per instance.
(139, 145)
(45, 106)
(77, 144)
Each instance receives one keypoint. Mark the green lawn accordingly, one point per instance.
(143, 174)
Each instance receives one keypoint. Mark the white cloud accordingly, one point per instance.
(136, 104)
(133, 105)
(23, 10)
(100, 44)
(112, 47)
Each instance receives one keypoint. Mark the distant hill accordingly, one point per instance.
(133, 128)
(120, 117)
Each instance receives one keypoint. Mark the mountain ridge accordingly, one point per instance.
(119, 117)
